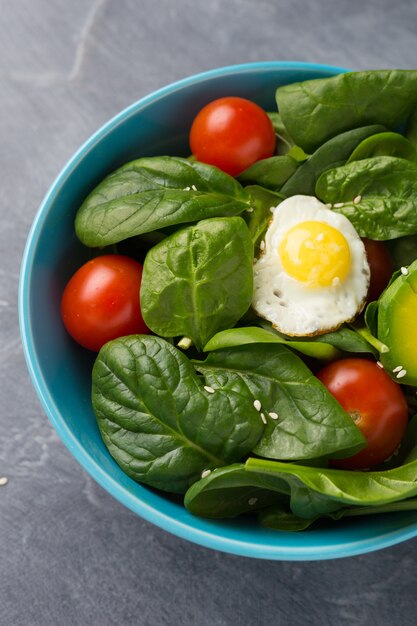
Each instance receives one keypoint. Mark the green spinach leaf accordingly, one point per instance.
(153, 193)
(331, 154)
(280, 517)
(259, 214)
(313, 111)
(198, 280)
(384, 144)
(252, 334)
(231, 491)
(347, 340)
(303, 420)
(377, 195)
(326, 488)
(326, 347)
(271, 173)
(159, 421)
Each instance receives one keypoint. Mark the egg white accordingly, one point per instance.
(294, 308)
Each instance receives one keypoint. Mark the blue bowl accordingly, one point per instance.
(60, 370)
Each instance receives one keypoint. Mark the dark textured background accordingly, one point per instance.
(70, 554)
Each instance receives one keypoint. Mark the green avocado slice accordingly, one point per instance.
(397, 326)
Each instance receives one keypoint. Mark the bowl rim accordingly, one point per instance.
(149, 513)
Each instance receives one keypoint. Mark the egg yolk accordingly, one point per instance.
(315, 253)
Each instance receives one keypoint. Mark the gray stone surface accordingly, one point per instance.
(70, 554)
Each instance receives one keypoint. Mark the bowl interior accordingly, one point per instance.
(61, 371)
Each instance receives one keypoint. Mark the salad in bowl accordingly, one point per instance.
(248, 308)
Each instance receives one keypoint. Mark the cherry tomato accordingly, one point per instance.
(376, 404)
(380, 264)
(232, 133)
(101, 301)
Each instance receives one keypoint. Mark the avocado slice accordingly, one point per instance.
(397, 326)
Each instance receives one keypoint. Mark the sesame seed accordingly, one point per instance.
(262, 245)
(273, 416)
(186, 188)
(404, 271)
(397, 369)
(338, 205)
(185, 343)
(3, 481)
(193, 187)
(309, 245)
(320, 237)
(380, 364)
(335, 281)
(250, 210)
(209, 389)
(205, 473)
(263, 418)
(357, 199)
(257, 405)
(401, 374)
(329, 206)
(252, 501)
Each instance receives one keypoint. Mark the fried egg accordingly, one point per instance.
(312, 274)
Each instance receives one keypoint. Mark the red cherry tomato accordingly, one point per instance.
(380, 264)
(232, 133)
(101, 301)
(376, 404)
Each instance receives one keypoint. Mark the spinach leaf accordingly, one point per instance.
(347, 340)
(198, 280)
(313, 111)
(271, 173)
(253, 334)
(157, 418)
(384, 144)
(333, 487)
(326, 347)
(259, 214)
(280, 517)
(231, 491)
(377, 195)
(308, 423)
(152, 193)
(306, 502)
(344, 339)
(331, 154)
